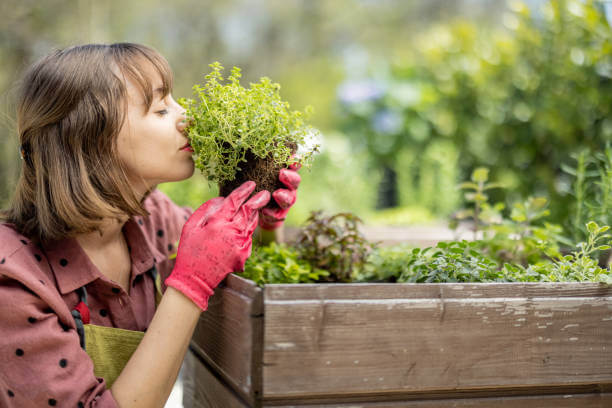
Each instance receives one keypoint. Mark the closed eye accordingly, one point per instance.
(162, 112)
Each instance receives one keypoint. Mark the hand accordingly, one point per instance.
(272, 218)
(216, 241)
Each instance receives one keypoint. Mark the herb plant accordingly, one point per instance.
(591, 190)
(521, 248)
(476, 193)
(453, 261)
(457, 261)
(279, 264)
(523, 238)
(463, 261)
(228, 122)
(334, 243)
(581, 265)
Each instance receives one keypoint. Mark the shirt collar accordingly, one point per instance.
(70, 265)
(73, 268)
(143, 251)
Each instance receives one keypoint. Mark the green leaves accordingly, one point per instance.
(334, 243)
(523, 248)
(476, 194)
(226, 119)
(480, 175)
(531, 210)
(494, 94)
(591, 190)
(331, 252)
(279, 264)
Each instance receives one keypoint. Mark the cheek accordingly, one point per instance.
(125, 149)
(150, 152)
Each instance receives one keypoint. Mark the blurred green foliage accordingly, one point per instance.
(591, 190)
(308, 46)
(453, 86)
(519, 100)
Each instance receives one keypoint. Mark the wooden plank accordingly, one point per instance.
(202, 389)
(309, 291)
(540, 401)
(338, 340)
(229, 336)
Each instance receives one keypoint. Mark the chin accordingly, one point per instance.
(185, 172)
(176, 172)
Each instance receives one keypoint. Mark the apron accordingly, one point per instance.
(109, 348)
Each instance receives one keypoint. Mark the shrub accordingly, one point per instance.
(519, 100)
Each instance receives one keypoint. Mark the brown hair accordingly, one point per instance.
(71, 106)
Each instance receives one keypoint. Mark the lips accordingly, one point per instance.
(187, 148)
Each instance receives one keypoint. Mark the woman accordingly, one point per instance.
(87, 239)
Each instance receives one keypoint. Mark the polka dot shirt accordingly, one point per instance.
(41, 361)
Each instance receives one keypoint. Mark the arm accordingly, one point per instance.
(147, 381)
(215, 241)
(34, 342)
(39, 344)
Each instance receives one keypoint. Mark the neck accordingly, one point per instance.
(141, 188)
(107, 249)
(109, 234)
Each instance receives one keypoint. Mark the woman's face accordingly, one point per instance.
(152, 144)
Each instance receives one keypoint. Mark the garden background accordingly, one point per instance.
(411, 99)
(409, 96)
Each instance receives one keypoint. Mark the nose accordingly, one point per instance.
(182, 124)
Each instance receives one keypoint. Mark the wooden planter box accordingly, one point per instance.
(403, 345)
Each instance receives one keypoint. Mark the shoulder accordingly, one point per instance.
(11, 241)
(20, 257)
(25, 275)
(41, 359)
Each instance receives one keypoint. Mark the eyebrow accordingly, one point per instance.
(159, 90)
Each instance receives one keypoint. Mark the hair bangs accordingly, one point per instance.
(140, 64)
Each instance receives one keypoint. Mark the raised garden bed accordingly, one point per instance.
(403, 345)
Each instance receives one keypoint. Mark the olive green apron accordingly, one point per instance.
(110, 348)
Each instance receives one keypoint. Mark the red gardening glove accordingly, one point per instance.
(216, 241)
(272, 218)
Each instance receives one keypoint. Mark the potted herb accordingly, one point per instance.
(241, 134)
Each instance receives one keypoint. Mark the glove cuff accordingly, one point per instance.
(195, 289)
(270, 226)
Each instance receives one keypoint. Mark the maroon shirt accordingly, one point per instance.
(41, 361)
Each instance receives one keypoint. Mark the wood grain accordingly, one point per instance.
(229, 336)
(353, 339)
(349, 291)
(202, 389)
(549, 401)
